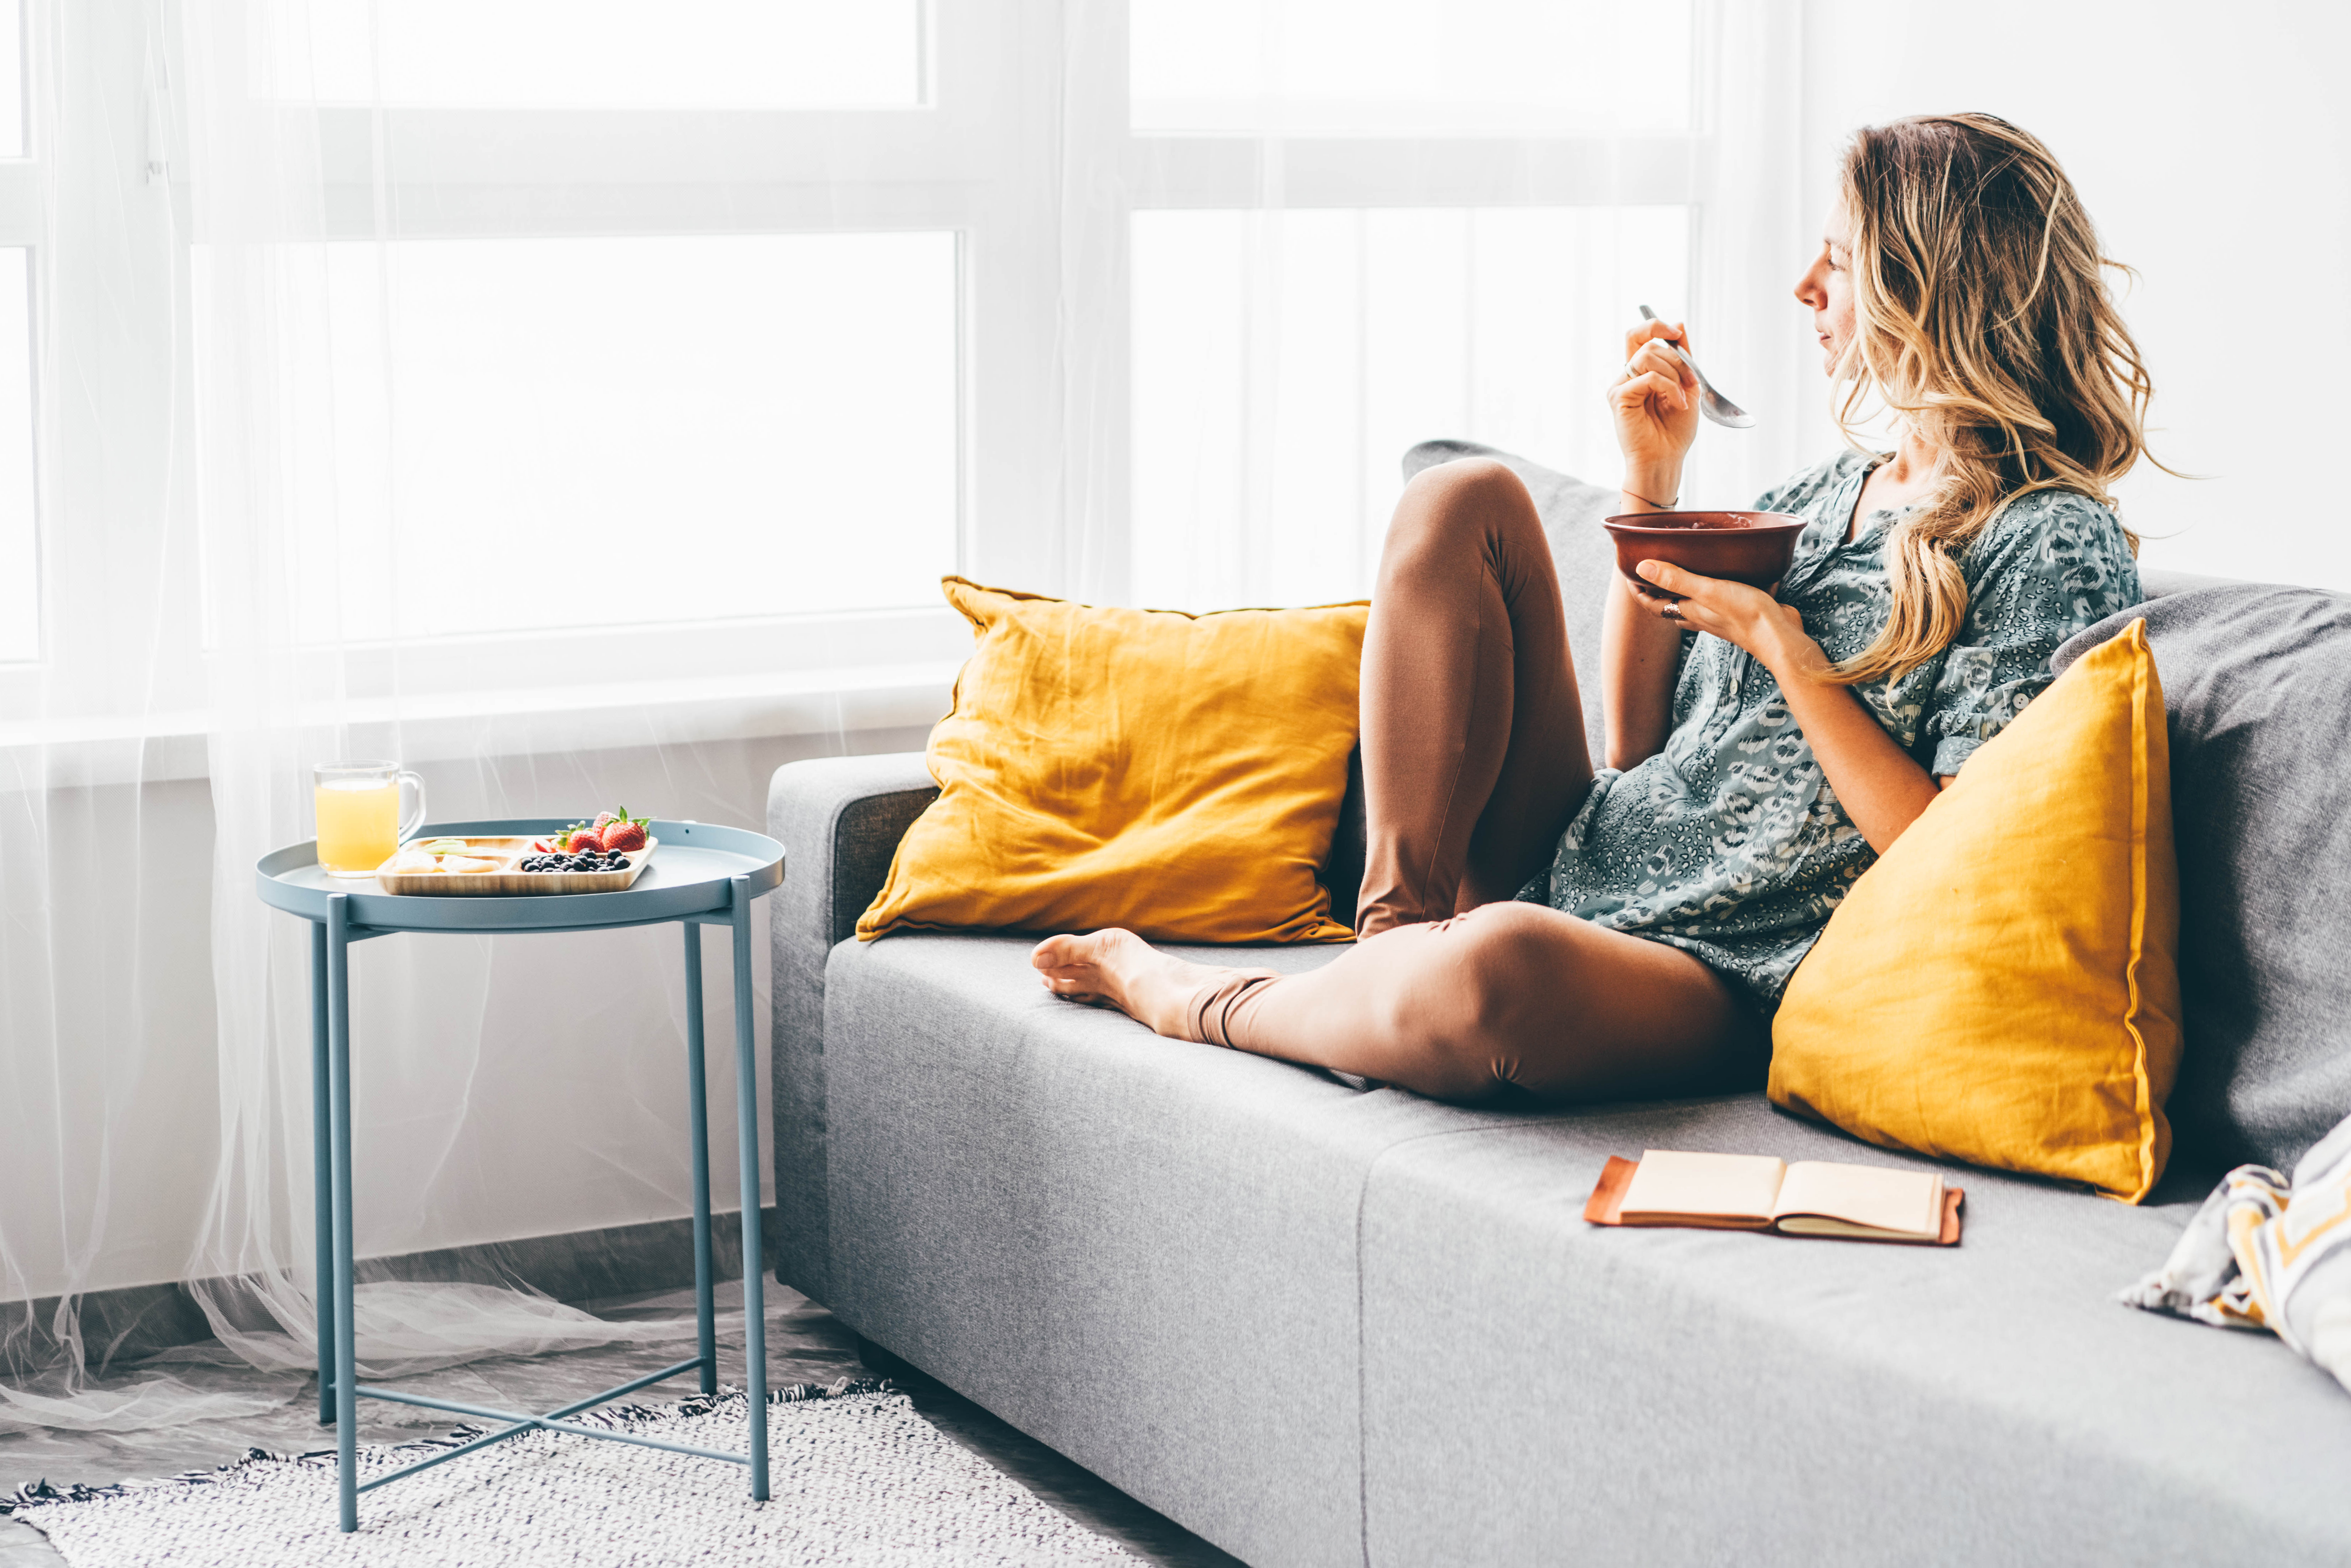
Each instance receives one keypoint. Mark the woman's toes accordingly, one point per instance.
(1096, 952)
(1070, 968)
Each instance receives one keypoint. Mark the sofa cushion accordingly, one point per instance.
(1140, 1251)
(2257, 685)
(1536, 1388)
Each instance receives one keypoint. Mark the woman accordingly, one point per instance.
(1530, 926)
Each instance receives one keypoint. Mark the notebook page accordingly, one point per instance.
(1730, 1186)
(1879, 1196)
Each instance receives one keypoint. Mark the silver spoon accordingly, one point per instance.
(1710, 403)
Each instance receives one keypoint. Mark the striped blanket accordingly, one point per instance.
(2267, 1253)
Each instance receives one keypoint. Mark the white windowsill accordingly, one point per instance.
(448, 726)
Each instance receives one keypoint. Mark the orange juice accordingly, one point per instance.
(358, 824)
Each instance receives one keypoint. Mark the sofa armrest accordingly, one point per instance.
(840, 819)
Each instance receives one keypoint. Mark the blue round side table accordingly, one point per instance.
(701, 875)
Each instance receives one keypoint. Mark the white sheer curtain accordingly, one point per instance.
(301, 367)
(566, 399)
(1434, 221)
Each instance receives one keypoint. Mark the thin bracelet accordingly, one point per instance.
(1660, 506)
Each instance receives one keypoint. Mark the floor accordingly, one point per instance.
(805, 1345)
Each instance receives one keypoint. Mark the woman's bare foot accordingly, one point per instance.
(1117, 968)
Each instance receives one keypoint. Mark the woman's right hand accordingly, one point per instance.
(1655, 403)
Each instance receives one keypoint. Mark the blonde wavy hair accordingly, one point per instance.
(1981, 316)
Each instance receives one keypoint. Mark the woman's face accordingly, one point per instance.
(1826, 288)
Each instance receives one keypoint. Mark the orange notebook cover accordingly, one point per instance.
(1606, 1207)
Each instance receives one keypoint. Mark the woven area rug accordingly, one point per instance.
(857, 1477)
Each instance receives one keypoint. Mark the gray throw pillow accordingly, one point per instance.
(2257, 685)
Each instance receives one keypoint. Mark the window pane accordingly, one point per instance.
(20, 561)
(1284, 360)
(530, 434)
(599, 54)
(12, 79)
(1409, 67)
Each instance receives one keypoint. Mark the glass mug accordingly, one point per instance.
(359, 825)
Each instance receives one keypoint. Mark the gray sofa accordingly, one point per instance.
(1325, 1326)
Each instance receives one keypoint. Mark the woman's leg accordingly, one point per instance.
(1474, 759)
(1474, 753)
(1507, 995)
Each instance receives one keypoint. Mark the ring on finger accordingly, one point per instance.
(1671, 612)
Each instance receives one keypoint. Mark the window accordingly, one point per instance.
(604, 305)
(1266, 432)
(1137, 300)
(1365, 223)
(594, 431)
(602, 54)
(20, 560)
(1385, 66)
(12, 79)
(20, 574)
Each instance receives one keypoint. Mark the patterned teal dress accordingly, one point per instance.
(1729, 844)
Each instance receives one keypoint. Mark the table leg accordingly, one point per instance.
(697, 1121)
(339, 1074)
(321, 1182)
(747, 1123)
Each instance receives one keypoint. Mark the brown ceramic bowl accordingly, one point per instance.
(1753, 548)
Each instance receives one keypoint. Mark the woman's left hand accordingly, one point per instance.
(1748, 618)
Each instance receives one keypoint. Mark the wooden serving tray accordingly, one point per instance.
(510, 881)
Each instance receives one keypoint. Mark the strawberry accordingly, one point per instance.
(627, 833)
(577, 839)
(605, 818)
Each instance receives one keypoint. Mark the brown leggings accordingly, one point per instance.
(1474, 761)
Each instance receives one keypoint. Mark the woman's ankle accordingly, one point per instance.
(1211, 1012)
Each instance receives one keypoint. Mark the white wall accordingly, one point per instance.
(2213, 146)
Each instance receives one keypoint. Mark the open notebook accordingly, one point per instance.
(1756, 1192)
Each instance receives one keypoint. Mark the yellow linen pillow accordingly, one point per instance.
(2002, 986)
(1178, 775)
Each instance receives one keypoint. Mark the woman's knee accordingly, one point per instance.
(1462, 1017)
(1448, 506)
(1509, 951)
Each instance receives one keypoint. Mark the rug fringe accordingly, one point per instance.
(40, 1493)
